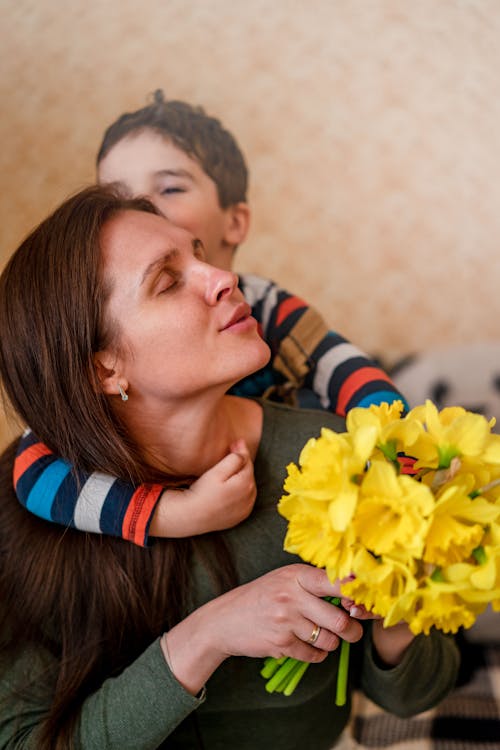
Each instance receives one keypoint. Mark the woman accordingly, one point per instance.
(106, 645)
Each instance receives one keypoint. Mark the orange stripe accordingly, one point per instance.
(287, 307)
(139, 512)
(355, 381)
(27, 458)
(407, 464)
(146, 512)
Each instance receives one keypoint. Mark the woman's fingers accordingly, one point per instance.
(332, 619)
(320, 638)
(358, 611)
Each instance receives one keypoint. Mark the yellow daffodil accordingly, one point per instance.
(329, 467)
(381, 415)
(476, 584)
(379, 583)
(442, 609)
(322, 463)
(392, 510)
(392, 433)
(491, 452)
(492, 534)
(457, 526)
(312, 538)
(450, 433)
(423, 544)
(486, 575)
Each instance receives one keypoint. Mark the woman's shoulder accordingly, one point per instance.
(309, 420)
(286, 428)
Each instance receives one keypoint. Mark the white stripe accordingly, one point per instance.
(91, 500)
(255, 289)
(270, 304)
(326, 366)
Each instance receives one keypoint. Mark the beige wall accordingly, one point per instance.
(372, 128)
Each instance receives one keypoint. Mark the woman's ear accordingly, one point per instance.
(109, 378)
(237, 224)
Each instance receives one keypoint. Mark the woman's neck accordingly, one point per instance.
(190, 439)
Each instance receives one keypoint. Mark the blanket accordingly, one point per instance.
(468, 719)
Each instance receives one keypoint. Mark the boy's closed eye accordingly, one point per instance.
(172, 189)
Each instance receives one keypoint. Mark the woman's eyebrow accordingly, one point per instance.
(159, 262)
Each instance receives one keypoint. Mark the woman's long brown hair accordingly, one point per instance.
(93, 602)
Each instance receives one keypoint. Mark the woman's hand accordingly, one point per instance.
(358, 611)
(278, 614)
(391, 643)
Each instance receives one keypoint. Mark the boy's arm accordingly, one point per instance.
(308, 355)
(50, 488)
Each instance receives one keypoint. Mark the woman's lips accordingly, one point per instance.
(240, 319)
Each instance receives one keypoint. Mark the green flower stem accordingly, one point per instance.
(343, 670)
(289, 678)
(296, 677)
(278, 677)
(333, 600)
(271, 665)
(342, 674)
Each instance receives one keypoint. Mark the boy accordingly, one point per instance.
(194, 172)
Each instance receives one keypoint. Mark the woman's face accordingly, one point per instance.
(183, 326)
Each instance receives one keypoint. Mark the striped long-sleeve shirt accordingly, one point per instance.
(310, 366)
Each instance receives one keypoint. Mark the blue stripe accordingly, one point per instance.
(115, 507)
(379, 397)
(63, 503)
(28, 478)
(42, 494)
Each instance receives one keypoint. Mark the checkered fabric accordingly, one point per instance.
(468, 719)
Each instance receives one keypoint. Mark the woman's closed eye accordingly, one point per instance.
(164, 283)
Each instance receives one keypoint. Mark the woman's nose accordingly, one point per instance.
(219, 284)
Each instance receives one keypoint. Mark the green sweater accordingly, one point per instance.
(145, 708)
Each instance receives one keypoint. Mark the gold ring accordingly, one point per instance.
(315, 634)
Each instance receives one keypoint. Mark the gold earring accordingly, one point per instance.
(122, 393)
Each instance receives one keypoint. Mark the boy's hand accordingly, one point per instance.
(220, 499)
(225, 493)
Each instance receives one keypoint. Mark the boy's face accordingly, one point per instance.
(147, 164)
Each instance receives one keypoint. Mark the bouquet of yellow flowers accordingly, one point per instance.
(406, 509)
